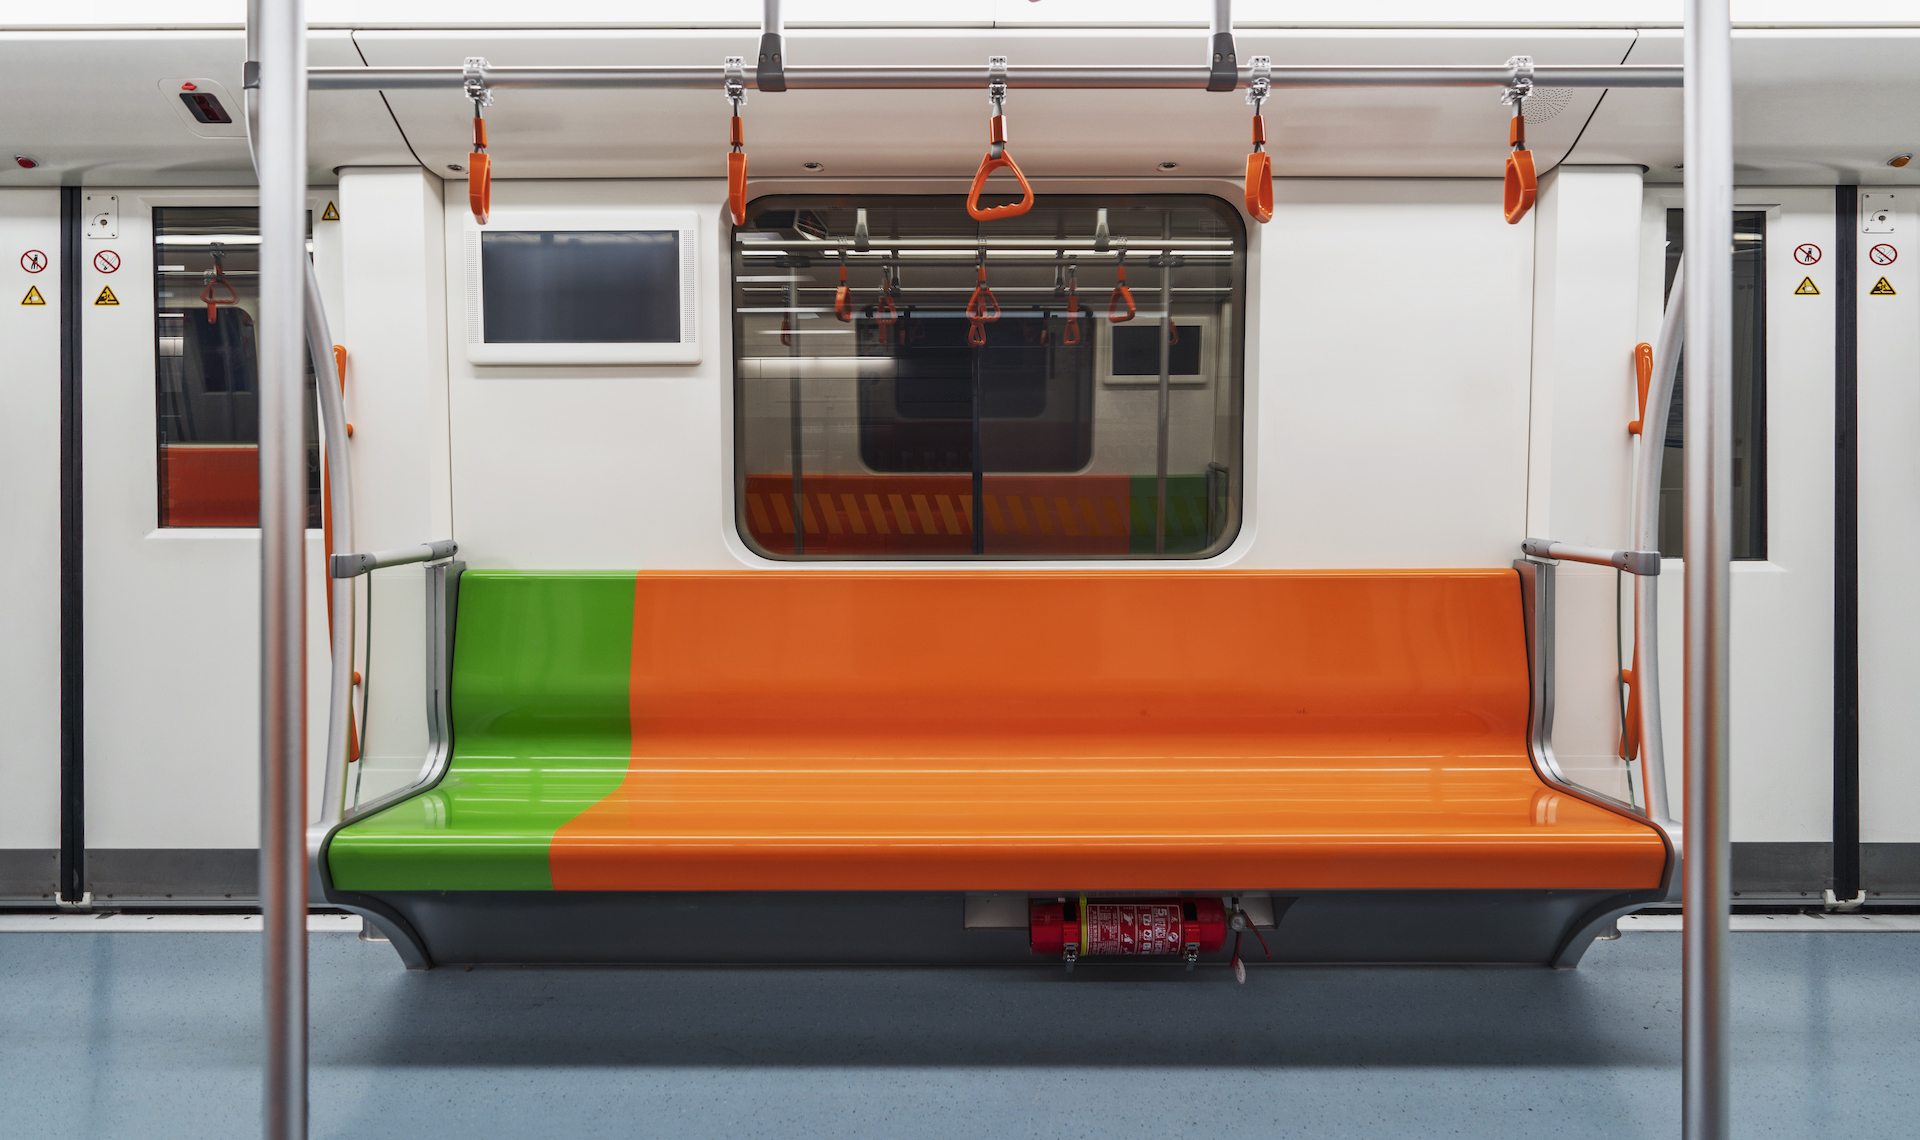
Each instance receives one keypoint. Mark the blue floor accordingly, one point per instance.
(157, 1035)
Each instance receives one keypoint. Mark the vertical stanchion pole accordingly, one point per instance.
(1705, 1101)
(282, 149)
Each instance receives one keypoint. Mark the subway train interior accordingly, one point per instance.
(972, 567)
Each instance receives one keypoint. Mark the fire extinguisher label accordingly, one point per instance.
(1133, 928)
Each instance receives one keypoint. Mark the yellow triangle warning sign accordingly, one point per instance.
(1807, 288)
(1881, 288)
(106, 296)
(330, 214)
(33, 296)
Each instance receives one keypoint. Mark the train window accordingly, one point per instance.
(206, 291)
(893, 420)
(1749, 395)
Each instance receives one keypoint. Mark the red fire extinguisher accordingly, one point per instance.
(1177, 927)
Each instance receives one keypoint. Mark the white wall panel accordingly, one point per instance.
(1394, 329)
(1889, 539)
(30, 518)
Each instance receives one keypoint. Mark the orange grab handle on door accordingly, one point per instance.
(1643, 366)
(1260, 176)
(1630, 730)
(996, 158)
(480, 173)
(1520, 183)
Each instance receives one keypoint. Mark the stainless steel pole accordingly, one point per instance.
(1709, 532)
(282, 148)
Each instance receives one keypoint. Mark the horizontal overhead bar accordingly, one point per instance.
(749, 243)
(901, 78)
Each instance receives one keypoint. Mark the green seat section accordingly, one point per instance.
(541, 663)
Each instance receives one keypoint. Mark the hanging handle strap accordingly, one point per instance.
(479, 163)
(997, 157)
(213, 302)
(1521, 185)
(1121, 295)
(1072, 335)
(1259, 163)
(982, 307)
(843, 296)
(736, 88)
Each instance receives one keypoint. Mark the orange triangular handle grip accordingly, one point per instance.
(1260, 186)
(1521, 186)
(1120, 293)
(480, 185)
(988, 165)
(737, 186)
(1643, 366)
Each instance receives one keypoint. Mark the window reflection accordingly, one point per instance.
(893, 421)
(206, 291)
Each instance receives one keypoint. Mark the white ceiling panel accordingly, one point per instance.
(1811, 107)
(91, 107)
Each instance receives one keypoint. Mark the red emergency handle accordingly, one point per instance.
(998, 137)
(1126, 927)
(479, 173)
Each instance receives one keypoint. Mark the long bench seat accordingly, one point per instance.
(992, 731)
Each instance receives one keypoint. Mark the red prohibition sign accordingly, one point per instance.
(1807, 254)
(1884, 254)
(33, 261)
(106, 261)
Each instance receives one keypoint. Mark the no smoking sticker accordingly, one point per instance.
(1884, 254)
(33, 261)
(1808, 254)
(106, 261)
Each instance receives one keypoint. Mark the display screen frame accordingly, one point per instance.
(683, 223)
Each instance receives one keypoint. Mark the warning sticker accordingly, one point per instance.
(106, 296)
(33, 296)
(329, 214)
(1807, 288)
(1881, 288)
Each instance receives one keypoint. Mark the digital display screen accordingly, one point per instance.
(1136, 350)
(581, 286)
